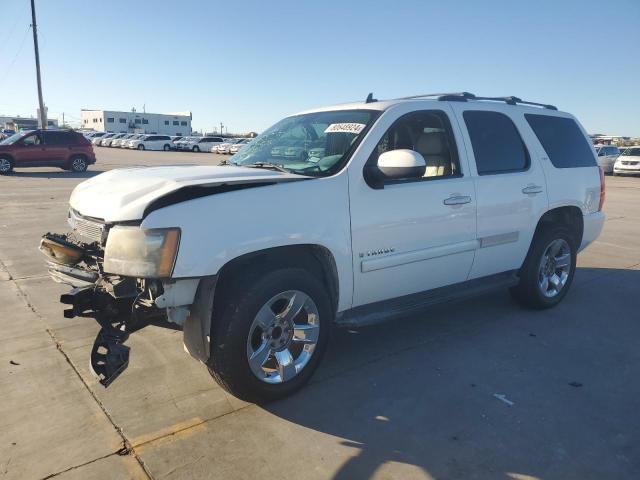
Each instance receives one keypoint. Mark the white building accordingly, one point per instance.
(137, 122)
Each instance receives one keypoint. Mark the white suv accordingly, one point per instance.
(152, 142)
(405, 203)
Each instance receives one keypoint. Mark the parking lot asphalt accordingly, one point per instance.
(473, 390)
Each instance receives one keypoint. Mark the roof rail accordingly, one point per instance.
(456, 94)
(510, 100)
(465, 96)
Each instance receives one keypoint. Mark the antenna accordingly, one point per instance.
(370, 98)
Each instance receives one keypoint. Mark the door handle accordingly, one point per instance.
(457, 200)
(532, 189)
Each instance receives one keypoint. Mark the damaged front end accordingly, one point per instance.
(120, 303)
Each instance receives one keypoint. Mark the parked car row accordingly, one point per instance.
(140, 141)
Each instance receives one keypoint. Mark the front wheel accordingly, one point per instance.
(166, 148)
(78, 164)
(547, 272)
(196, 149)
(140, 147)
(6, 165)
(270, 335)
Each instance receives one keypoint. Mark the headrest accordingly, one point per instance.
(432, 143)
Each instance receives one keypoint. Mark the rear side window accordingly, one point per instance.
(497, 145)
(58, 138)
(563, 141)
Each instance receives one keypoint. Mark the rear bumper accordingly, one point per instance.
(593, 224)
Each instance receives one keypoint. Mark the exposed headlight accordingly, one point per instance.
(134, 252)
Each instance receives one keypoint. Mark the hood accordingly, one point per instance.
(124, 194)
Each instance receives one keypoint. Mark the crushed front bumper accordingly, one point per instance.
(120, 305)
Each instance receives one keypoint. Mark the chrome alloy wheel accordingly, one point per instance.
(283, 336)
(555, 267)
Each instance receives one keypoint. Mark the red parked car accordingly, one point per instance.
(66, 149)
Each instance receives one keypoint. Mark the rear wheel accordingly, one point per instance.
(548, 270)
(78, 164)
(6, 165)
(270, 335)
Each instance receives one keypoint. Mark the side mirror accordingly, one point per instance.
(401, 164)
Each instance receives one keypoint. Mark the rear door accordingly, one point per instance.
(57, 147)
(509, 181)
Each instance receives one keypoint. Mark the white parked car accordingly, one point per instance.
(152, 142)
(233, 149)
(628, 162)
(607, 156)
(223, 148)
(108, 141)
(97, 137)
(201, 144)
(118, 141)
(183, 142)
(414, 201)
(128, 142)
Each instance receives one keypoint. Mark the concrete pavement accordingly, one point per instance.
(477, 389)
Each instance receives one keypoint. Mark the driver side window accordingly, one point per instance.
(427, 133)
(32, 140)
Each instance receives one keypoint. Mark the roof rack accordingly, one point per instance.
(465, 96)
(510, 100)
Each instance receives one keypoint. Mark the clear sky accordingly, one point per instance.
(249, 63)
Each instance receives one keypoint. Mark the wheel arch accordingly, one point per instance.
(313, 257)
(567, 215)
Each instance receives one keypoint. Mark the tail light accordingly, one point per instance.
(602, 190)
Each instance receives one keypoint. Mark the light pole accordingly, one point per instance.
(43, 115)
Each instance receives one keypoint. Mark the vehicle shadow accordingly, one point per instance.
(485, 389)
(56, 174)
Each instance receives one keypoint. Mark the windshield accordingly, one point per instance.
(14, 138)
(313, 144)
(629, 152)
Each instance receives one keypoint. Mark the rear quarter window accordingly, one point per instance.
(562, 140)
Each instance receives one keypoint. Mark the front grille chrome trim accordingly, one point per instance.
(88, 230)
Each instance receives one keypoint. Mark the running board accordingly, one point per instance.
(409, 304)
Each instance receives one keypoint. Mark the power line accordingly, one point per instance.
(8, 70)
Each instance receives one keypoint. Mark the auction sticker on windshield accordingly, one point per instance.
(345, 128)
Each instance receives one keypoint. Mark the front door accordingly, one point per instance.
(31, 151)
(413, 235)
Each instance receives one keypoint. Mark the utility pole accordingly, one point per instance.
(34, 26)
(63, 124)
(221, 128)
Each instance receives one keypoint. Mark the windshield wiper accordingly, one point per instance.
(268, 165)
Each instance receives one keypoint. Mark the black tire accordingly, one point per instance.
(195, 149)
(528, 292)
(166, 148)
(231, 324)
(140, 147)
(78, 164)
(6, 165)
